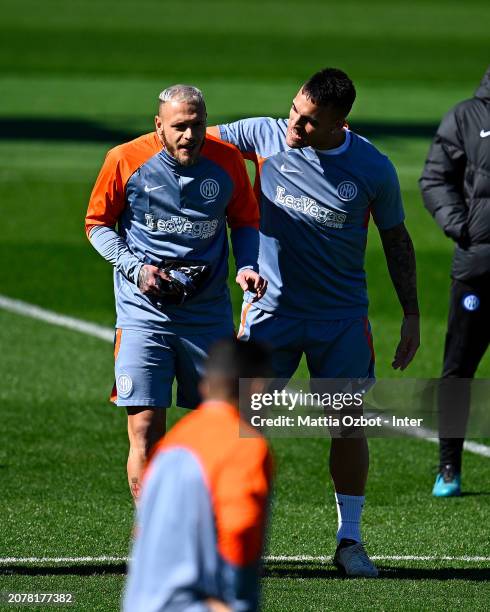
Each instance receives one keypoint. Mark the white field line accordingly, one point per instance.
(431, 436)
(47, 560)
(48, 316)
(324, 559)
(269, 558)
(106, 333)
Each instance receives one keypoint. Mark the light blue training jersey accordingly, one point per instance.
(164, 210)
(315, 207)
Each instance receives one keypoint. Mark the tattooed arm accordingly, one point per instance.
(400, 257)
(148, 279)
(115, 250)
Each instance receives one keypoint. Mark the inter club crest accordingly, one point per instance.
(209, 189)
(347, 191)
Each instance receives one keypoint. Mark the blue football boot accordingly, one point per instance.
(448, 483)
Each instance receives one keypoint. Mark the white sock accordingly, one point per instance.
(349, 510)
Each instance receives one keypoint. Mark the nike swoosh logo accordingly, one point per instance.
(148, 189)
(284, 168)
(484, 134)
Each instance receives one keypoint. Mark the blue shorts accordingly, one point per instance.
(333, 349)
(146, 364)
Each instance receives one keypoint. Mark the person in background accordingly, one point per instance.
(455, 186)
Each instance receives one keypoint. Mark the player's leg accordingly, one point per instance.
(283, 335)
(144, 370)
(145, 427)
(349, 464)
(466, 341)
(191, 351)
(344, 350)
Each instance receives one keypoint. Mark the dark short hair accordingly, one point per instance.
(229, 358)
(331, 87)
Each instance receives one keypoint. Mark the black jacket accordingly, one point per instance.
(455, 183)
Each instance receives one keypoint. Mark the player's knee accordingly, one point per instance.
(143, 432)
(353, 449)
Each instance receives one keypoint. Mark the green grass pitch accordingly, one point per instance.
(76, 78)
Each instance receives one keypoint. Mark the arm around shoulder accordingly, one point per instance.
(213, 130)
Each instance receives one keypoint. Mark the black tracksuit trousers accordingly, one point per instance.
(467, 338)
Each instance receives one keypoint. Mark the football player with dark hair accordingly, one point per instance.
(318, 184)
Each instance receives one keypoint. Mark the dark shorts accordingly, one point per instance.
(333, 349)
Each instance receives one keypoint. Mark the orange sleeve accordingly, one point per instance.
(241, 499)
(107, 199)
(108, 195)
(243, 209)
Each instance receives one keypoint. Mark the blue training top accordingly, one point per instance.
(315, 208)
(165, 210)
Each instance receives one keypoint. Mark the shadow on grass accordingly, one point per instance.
(307, 570)
(475, 574)
(288, 570)
(475, 493)
(77, 130)
(86, 130)
(63, 570)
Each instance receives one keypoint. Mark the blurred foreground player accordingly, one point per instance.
(455, 187)
(170, 193)
(319, 184)
(202, 512)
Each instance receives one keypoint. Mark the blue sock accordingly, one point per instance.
(349, 510)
